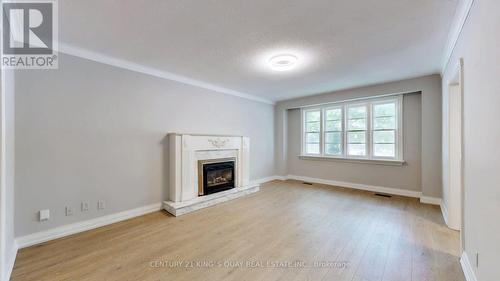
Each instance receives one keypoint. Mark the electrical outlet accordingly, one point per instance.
(69, 211)
(85, 206)
(101, 205)
(44, 215)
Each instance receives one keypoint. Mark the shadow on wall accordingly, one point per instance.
(165, 180)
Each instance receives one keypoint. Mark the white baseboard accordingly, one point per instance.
(467, 267)
(280, 178)
(267, 179)
(381, 189)
(444, 211)
(430, 200)
(366, 187)
(10, 260)
(65, 230)
(58, 232)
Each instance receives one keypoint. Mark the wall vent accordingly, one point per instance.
(383, 195)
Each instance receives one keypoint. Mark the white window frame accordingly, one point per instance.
(323, 131)
(303, 131)
(398, 131)
(367, 130)
(344, 106)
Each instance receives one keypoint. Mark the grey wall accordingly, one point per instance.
(9, 249)
(403, 177)
(430, 142)
(479, 46)
(90, 132)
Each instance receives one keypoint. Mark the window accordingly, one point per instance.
(312, 131)
(384, 129)
(357, 127)
(333, 131)
(368, 129)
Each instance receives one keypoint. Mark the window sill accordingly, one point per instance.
(354, 160)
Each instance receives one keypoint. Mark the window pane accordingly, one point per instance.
(386, 109)
(384, 137)
(356, 118)
(333, 149)
(335, 137)
(356, 124)
(384, 150)
(357, 112)
(313, 116)
(384, 123)
(356, 137)
(312, 148)
(312, 126)
(312, 137)
(334, 114)
(357, 149)
(333, 125)
(384, 118)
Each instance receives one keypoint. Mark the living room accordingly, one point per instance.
(237, 140)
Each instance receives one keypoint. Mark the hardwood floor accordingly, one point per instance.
(354, 235)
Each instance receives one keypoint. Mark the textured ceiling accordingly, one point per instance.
(340, 44)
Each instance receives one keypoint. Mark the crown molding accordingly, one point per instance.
(459, 20)
(125, 64)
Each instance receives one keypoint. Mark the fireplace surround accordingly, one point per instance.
(190, 155)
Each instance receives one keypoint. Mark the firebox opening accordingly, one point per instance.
(216, 177)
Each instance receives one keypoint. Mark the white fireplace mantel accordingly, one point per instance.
(185, 150)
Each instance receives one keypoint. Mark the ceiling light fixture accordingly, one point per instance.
(283, 62)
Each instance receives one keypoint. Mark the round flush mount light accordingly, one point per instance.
(283, 62)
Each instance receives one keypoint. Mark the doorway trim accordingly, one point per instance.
(454, 203)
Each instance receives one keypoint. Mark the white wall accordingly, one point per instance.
(89, 132)
(479, 46)
(430, 142)
(9, 248)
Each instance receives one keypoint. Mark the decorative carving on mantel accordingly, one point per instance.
(218, 142)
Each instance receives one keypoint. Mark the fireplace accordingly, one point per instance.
(191, 159)
(215, 175)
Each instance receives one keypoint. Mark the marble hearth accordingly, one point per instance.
(186, 152)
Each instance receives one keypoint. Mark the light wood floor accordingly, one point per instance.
(376, 238)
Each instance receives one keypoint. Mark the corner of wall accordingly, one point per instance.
(8, 245)
(467, 267)
(10, 260)
(280, 140)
